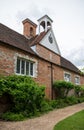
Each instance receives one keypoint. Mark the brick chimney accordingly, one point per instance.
(29, 28)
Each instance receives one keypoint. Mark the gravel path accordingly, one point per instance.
(45, 122)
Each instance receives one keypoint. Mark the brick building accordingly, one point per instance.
(36, 55)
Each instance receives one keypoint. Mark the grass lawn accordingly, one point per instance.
(74, 122)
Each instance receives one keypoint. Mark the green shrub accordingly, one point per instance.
(28, 98)
(9, 116)
(79, 91)
(26, 95)
(60, 103)
(71, 100)
(45, 106)
(80, 99)
(54, 103)
(62, 88)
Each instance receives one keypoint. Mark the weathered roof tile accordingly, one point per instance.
(68, 65)
(8, 36)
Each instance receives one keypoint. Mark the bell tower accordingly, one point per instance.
(45, 22)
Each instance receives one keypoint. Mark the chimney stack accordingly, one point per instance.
(29, 28)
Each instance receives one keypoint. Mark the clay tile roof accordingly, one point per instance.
(10, 37)
(68, 65)
(35, 40)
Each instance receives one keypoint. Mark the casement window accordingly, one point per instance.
(24, 67)
(67, 77)
(77, 80)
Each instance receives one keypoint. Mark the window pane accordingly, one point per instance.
(31, 68)
(18, 66)
(27, 68)
(67, 77)
(77, 81)
(23, 67)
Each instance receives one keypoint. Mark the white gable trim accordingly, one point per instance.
(51, 46)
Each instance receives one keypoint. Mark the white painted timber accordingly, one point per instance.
(51, 46)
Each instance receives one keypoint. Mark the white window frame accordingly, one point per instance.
(67, 78)
(77, 83)
(25, 60)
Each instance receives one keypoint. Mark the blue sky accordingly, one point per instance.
(68, 22)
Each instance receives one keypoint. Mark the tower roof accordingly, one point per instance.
(45, 16)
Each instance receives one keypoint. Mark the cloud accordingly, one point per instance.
(76, 56)
(33, 12)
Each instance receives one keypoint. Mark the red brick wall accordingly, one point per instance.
(44, 70)
(8, 56)
(7, 67)
(44, 76)
(47, 54)
(57, 73)
(82, 80)
(6, 60)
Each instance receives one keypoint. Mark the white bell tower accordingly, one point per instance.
(45, 22)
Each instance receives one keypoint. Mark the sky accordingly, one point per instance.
(68, 22)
